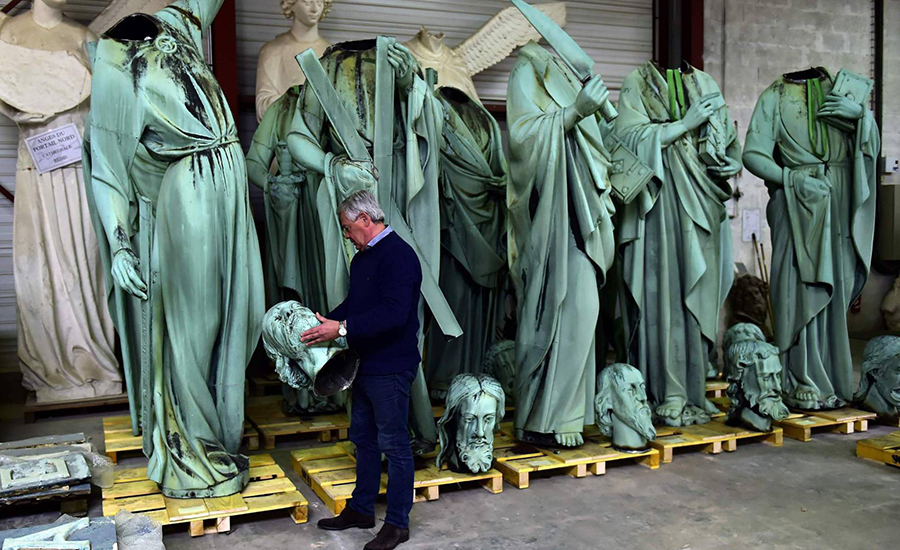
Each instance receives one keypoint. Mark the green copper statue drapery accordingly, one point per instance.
(164, 152)
(674, 240)
(473, 238)
(821, 211)
(353, 70)
(295, 259)
(560, 245)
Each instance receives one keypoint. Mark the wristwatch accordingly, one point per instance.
(342, 328)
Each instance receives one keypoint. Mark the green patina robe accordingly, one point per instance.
(561, 244)
(473, 238)
(821, 242)
(352, 69)
(295, 258)
(165, 138)
(674, 246)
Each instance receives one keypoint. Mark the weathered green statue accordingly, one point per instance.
(879, 381)
(390, 146)
(169, 191)
(821, 182)
(295, 259)
(623, 414)
(473, 238)
(474, 408)
(674, 240)
(560, 244)
(753, 370)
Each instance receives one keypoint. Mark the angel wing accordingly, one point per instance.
(118, 9)
(505, 32)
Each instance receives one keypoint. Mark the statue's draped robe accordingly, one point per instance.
(821, 245)
(166, 133)
(473, 238)
(351, 68)
(295, 259)
(674, 245)
(560, 244)
(64, 330)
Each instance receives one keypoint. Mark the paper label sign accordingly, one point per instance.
(54, 149)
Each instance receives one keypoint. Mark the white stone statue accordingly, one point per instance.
(278, 69)
(65, 332)
(490, 44)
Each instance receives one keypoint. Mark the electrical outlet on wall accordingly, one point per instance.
(751, 225)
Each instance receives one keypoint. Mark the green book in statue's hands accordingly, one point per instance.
(854, 87)
(628, 175)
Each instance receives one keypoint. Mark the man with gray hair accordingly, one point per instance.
(381, 322)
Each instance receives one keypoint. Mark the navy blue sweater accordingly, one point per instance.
(381, 308)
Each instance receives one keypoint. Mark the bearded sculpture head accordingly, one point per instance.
(621, 408)
(753, 369)
(500, 362)
(474, 408)
(328, 368)
(879, 382)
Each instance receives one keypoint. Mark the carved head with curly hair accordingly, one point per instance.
(621, 407)
(474, 408)
(879, 381)
(753, 369)
(308, 12)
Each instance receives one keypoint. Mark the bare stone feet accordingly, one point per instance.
(569, 439)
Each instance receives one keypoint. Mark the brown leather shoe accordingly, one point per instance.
(388, 538)
(347, 519)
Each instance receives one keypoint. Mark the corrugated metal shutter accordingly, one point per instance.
(82, 11)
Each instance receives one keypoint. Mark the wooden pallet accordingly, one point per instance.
(118, 437)
(268, 490)
(882, 449)
(331, 473)
(268, 417)
(268, 384)
(712, 437)
(802, 424)
(517, 461)
(33, 409)
(716, 388)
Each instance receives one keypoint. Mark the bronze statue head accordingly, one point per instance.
(474, 408)
(621, 407)
(879, 382)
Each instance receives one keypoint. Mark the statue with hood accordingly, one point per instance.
(816, 146)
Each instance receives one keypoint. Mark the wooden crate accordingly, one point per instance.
(331, 473)
(882, 449)
(33, 409)
(268, 490)
(716, 388)
(267, 416)
(268, 384)
(802, 424)
(118, 437)
(712, 437)
(517, 461)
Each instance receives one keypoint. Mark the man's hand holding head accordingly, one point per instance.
(325, 332)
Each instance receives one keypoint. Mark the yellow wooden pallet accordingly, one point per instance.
(517, 461)
(268, 384)
(118, 437)
(801, 425)
(716, 388)
(266, 414)
(712, 437)
(331, 473)
(268, 490)
(881, 449)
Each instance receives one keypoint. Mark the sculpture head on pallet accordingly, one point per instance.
(621, 408)
(753, 369)
(474, 408)
(879, 383)
(327, 368)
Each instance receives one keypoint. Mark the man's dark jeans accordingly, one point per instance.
(379, 423)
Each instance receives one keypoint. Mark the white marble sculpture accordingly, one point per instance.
(278, 69)
(65, 332)
(490, 44)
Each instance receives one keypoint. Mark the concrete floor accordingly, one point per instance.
(814, 495)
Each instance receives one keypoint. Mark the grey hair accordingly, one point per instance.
(463, 386)
(287, 8)
(361, 202)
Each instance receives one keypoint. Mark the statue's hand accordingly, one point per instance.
(591, 97)
(355, 175)
(841, 107)
(125, 271)
(812, 188)
(698, 114)
(731, 169)
(404, 64)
